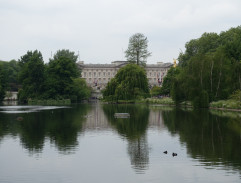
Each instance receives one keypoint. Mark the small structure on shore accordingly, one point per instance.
(121, 115)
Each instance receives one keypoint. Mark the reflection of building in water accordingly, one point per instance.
(155, 119)
(96, 119)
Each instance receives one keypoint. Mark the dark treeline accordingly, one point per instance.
(35, 80)
(208, 70)
(8, 77)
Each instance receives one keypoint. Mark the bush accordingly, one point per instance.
(164, 101)
(228, 104)
(236, 95)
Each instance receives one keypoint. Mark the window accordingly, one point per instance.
(103, 73)
(89, 73)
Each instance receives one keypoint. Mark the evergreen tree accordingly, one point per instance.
(137, 49)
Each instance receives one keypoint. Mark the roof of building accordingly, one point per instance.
(117, 64)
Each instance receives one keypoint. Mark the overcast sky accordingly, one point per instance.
(100, 29)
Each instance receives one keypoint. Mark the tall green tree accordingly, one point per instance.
(61, 71)
(31, 75)
(137, 51)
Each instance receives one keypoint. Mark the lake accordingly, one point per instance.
(86, 143)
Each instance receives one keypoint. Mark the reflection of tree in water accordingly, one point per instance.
(209, 138)
(61, 126)
(139, 153)
(134, 129)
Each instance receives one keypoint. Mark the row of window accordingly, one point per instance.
(98, 74)
(154, 74)
(97, 80)
(90, 80)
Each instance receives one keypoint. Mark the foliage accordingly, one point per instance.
(236, 95)
(61, 73)
(12, 69)
(137, 49)
(80, 89)
(155, 91)
(168, 80)
(66, 54)
(58, 80)
(228, 104)
(2, 82)
(165, 101)
(31, 75)
(210, 67)
(129, 83)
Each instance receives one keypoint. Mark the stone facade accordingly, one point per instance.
(98, 75)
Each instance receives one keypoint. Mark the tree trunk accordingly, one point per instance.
(211, 76)
(137, 59)
(219, 79)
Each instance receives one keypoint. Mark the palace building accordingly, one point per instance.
(98, 75)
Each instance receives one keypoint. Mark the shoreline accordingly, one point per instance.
(225, 109)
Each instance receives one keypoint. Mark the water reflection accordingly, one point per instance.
(59, 125)
(213, 140)
(134, 130)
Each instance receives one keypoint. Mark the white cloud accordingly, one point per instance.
(100, 29)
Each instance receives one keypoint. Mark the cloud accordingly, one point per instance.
(100, 29)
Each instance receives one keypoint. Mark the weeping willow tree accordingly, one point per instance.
(129, 83)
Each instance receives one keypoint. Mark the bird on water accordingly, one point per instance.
(174, 154)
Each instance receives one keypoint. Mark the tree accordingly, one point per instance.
(155, 91)
(210, 68)
(129, 83)
(31, 75)
(80, 89)
(61, 71)
(12, 70)
(168, 80)
(2, 83)
(137, 49)
(66, 54)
